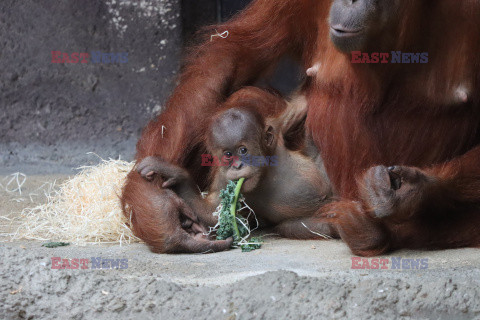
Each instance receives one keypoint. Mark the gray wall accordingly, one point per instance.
(52, 114)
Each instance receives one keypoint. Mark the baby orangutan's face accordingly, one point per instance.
(236, 137)
(241, 167)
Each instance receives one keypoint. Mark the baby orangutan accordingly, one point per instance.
(284, 188)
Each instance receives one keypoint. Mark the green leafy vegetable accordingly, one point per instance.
(231, 225)
(55, 244)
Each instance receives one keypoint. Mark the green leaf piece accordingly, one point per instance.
(231, 224)
(55, 244)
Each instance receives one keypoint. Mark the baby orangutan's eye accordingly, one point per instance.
(242, 151)
(228, 154)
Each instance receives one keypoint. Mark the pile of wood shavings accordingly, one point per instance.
(83, 210)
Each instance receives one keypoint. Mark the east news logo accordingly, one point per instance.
(85, 57)
(92, 263)
(389, 57)
(396, 263)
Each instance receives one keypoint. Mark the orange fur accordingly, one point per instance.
(359, 116)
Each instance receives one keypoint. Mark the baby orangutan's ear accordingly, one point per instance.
(269, 136)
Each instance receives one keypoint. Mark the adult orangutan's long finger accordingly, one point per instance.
(198, 244)
(408, 174)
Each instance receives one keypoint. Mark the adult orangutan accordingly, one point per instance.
(400, 142)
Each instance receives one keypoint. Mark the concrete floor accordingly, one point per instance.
(284, 279)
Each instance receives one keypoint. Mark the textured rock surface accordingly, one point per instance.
(284, 280)
(57, 112)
